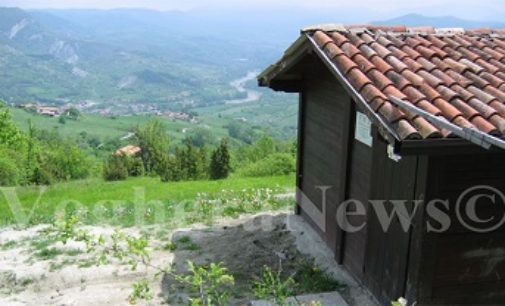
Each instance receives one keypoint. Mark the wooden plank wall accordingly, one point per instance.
(387, 252)
(461, 266)
(324, 133)
(359, 183)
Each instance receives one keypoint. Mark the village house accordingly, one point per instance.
(414, 114)
(178, 115)
(129, 150)
(49, 111)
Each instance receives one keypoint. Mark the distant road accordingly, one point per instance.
(240, 86)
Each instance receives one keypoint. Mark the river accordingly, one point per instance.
(240, 86)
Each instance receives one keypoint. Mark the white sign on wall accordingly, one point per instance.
(363, 132)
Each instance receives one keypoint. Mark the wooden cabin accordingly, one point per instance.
(354, 138)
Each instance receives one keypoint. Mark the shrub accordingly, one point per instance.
(135, 166)
(41, 176)
(65, 161)
(9, 173)
(115, 169)
(275, 164)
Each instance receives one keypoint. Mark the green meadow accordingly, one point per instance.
(114, 201)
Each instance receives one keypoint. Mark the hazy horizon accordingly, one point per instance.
(367, 9)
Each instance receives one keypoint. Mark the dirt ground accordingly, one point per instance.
(31, 275)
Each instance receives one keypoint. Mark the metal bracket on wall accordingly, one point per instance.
(392, 155)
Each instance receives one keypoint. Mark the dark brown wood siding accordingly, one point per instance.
(324, 134)
(387, 251)
(460, 265)
(359, 187)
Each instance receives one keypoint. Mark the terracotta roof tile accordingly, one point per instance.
(322, 39)
(494, 53)
(467, 54)
(462, 80)
(458, 75)
(446, 79)
(427, 52)
(398, 53)
(339, 39)
(344, 63)
(477, 80)
(430, 78)
(498, 64)
(463, 93)
(371, 93)
(414, 78)
(487, 66)
(499, 94)
(400, 82)
(350, 50)
(381, 64)
(333, 51)
(413, 41)
(471, 65)
(411, 52)
(391, 113)
(406, 130)
(358, 79)
(364, 64)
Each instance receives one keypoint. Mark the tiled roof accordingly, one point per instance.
(128, 150)
(453, 73)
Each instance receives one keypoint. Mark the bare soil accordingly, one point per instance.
(64, 275)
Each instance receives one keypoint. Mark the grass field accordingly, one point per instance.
(110, 127)
(115, 201)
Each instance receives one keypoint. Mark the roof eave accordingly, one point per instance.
(291, 56)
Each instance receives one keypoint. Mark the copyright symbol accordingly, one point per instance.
(474, 211)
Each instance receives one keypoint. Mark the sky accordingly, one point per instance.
(469, 9)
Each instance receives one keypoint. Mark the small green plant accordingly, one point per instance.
(184, 239)
(185, 243)
(8, 245)
(210, 282)
(48, 253)
(141, 291)
(310, 278)
(272, 285)
(170, 246)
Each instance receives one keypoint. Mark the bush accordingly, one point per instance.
(135, 166)
(275, 164)
(42, 177)
(115, 169)
(9, 173)
(65, 161)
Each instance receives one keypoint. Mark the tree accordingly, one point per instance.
(153, 141)
(201, 137)
(220, 162)
(10, 135)
(73, 113)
